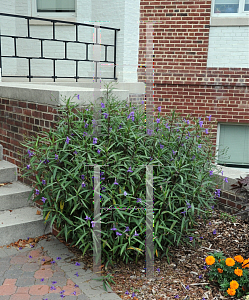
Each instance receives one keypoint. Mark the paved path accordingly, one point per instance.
(46, 272)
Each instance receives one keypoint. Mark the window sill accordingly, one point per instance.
(40, 23)
(229, 21)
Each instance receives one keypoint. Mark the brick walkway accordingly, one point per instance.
(47, 273)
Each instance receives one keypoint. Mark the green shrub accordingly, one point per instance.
(184, 182)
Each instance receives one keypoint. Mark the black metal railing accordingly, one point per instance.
(66, 42)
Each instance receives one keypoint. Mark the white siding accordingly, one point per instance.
(228, 47)
(123, 14)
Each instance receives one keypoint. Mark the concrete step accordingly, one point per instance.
(8, 172)
(21, 223)
(14, 195)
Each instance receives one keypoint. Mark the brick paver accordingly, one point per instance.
(42, 272)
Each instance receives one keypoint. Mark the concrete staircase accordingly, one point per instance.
(18, 218)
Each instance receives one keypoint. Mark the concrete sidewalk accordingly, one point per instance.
(45, 272)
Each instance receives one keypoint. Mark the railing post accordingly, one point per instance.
(115, 53)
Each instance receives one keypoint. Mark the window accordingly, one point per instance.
(236, 138)
(54, 8)
(230, 7)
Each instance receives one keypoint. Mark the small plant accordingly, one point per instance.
(226, 216)
(242, 187)
(106, 279)
(231, 273)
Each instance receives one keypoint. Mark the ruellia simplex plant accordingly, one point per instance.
(184, 180)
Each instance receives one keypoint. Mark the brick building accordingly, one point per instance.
(201, 64)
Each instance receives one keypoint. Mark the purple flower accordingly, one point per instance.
(158, 270)
(37, 192)
(133, 295)
(205, 267)
(95, 140)
(20, 248)
(83, 184)
(191, 238)
(188, 122)
(129, 170)
(159, 108)
(42, 279)
(209, 117)
(225, 179)
(193, 157)
(63, 291)
(161, 146)
(43, 199)
(74, 293)
(52, 262)
(75, 152)
(53, 288)
(98, 151)
(30, 153)
(183, 212)
(86, 125)
(76, 285)
(77, 264)
(93, 224)
(136, 234)
(206, 131)
(106, 115)
(30, 256)
(56, 156)
(82, 177)
(212, 207)
(117, 233)
(200, 277)
(54, 282)
(78, 96)
(187, 287)
(214, 232)
(67, 140)
(211, 173)
(127, 229)
(222, 172)
(43, 259)
(139, 200)
(199, 146)
(120, 126)
(177, 296)
(158, 121)
(102, 105)
(76, 274)
(28, 167)
(43, 182)
(200, 123)
(125, 194)
(84, 133)
(149, 131)
(87, 218)
(166, 125)
(58, 258)
(174, 152)
(114, 228)
(127, 293)
(115, 182)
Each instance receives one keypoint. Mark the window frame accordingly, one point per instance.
(53, 15)
(241, 12)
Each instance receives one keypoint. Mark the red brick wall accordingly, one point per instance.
(20, 119)
(181, 77)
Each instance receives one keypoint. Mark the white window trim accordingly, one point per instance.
(67, 16)
(233, 19)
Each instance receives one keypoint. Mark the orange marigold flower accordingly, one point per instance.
(245, 264)
(210, 260)
(239, 258)
(234, 284)
(220, 270)
(231, 292)
(219, 260)
(238, 272)
(230, 262)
